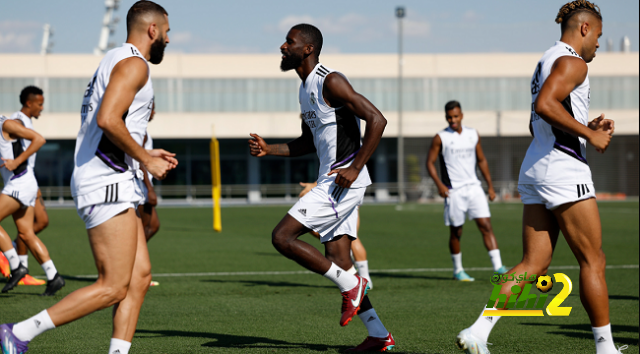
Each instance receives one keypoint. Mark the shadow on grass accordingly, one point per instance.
(587, 333)
(236, 341)
(283, 284)
(408, 276)
(624, 297)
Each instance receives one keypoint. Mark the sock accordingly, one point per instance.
(119, 346)
(604, 340)
(457, 263)
(50, 269)
(363, 270)
(495, 259)
(352, 270)
(483, 325)
(34, 326)
(24, 260)
(341, 278)
(12, 257)
(373, 324)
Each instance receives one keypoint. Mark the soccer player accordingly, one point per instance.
(331, 111)
(358, 252)
(105, 185)
(19, 195)
(32, 101)
(459, 150)
(555, 180)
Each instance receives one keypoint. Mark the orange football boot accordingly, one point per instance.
(5, 269)
(29, 280)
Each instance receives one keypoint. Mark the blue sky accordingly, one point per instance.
(348, 26)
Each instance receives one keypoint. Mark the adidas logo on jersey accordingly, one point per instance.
(601, 339)
(303, 212)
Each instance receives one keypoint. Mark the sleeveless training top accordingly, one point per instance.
(26, 121)
(335, 131)
(10, 149)
(98, 161)
(458, 157)
(556, 157)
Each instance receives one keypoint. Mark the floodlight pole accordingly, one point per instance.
(109, 22)
(401, 196)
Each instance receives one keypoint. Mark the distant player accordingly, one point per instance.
(555, 180)
(19, 195)
(331, 127)
(459, 150)
(32, 101)
(358, 252)
(106, 187)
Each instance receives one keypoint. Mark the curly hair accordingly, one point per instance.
(568, 10)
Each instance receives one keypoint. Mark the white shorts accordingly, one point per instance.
(468, 200)
(556, 195)
(104, 203)
(24, 189)
(330, 210)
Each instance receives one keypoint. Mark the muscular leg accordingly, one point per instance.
(40, 223)
(484, 225)
(8, 206)
(114, 246)
(580, 225)
(23, 219)
(126, 313)
(359, 252)
(337, 251)
(150, 221)
(285, 239)
(455, 233)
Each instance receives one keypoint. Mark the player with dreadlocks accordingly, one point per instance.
(555, 180)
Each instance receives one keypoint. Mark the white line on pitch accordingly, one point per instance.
(373, 271)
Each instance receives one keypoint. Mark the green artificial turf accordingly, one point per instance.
(299, 313)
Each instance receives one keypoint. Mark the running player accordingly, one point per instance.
(330, 127)
(32, 101)
(459, 150)
(19, 195)
(105, 185)
(358, 252)
(555, 180)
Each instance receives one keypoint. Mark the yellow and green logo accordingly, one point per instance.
(528, 304)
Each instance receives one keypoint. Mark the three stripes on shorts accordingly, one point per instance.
(110, 191)
(582, 189)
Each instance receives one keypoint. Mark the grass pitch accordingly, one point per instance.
(299, 313)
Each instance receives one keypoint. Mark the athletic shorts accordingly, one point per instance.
(24, 189)
(556, 195)
(468, 200)
(96, 207)
(330, 210)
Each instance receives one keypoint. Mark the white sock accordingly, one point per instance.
(24, 260)
(119, 346)
(341, 278)
(457, 263)
(50, 269)
(495, 259)
(373, 324)
(13, 258)
(352, 270)
(363, 270)
(604, 340)
(483, 325)
(34, 326)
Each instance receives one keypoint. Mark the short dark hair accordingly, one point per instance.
(451, 105)
(28, 91)
(140, 8)
(312, 35)
(572, 8)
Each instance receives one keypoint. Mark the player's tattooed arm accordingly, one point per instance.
(338, 92)
(566, 73)
(434, 150)
(484, 169)
(16, 130)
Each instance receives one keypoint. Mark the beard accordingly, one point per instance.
(157, 51)
(290, 61)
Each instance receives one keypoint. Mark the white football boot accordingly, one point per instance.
(471, 344)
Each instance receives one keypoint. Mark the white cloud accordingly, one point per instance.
(19, 36)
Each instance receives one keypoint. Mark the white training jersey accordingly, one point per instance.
(556, 157)
(335, 131)
(148, 145)
(98, 161)
(10, 149)
(458, 157)
(26, 121)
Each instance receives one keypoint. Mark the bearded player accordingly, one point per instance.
(555, 179)
(331, 112)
